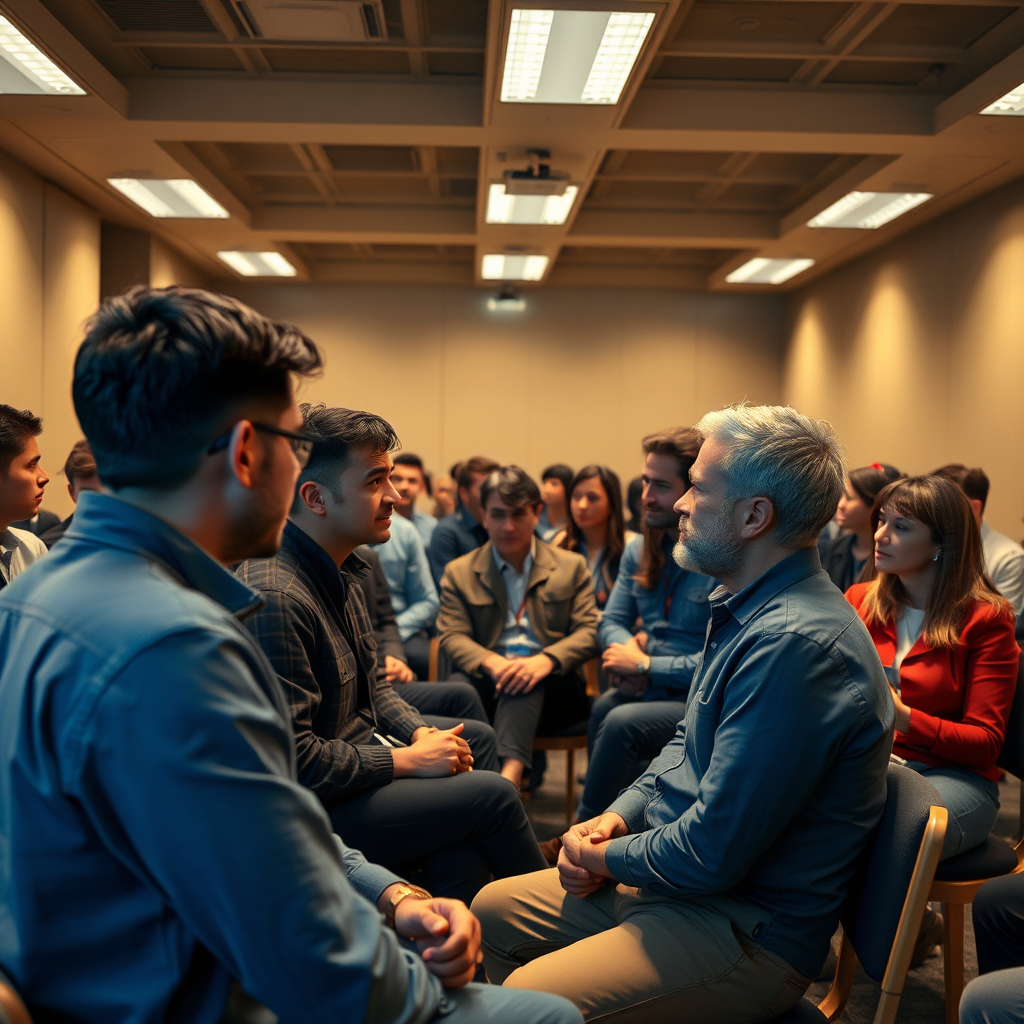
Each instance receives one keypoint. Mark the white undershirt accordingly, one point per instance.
(909, 627)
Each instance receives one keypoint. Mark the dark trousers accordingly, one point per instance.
(458, 831)
(556, 704)
(624, 733)
(417, 653)
(445, 705)
(999, 924)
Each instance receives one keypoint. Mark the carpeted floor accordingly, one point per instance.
(922, 1001)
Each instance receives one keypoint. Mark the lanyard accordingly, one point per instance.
(522, 609)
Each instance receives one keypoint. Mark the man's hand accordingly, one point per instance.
(446, 934)
(434, 754)
(521, 675)
(396, 671)
(581, 861)
(625, 659)
(494, 665)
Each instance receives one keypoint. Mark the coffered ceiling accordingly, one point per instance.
(370, 161)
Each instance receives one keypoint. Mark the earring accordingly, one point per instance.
(936, 558)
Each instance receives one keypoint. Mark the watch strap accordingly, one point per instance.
(400, 894)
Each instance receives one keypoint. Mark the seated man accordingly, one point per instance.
(395, 787)
(412, 590)
(22, 480)
(463, 530)
(410, 479)
(80, 473)
(651, 670)
(710, 889)
(155, 844)
(518, 620)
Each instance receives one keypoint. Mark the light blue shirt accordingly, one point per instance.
(516, 584)
(425, 523)
(413, 594)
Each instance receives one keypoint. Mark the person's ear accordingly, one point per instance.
(312, 498)
(757, 517)
(243, 453)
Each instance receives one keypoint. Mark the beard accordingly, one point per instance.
(713, 551)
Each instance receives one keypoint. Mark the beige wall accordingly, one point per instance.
(579, 377)
(916, 352)
(49, 284)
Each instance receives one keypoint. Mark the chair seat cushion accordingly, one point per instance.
(992, 858)
(805, 1012)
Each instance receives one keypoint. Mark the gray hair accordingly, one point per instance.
(791, 459)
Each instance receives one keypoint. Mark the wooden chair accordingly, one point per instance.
(571, 740)
(432, 659)
(882, 916)
(12, 1009)
(958, 879)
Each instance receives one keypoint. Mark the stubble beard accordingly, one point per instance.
(712, 552)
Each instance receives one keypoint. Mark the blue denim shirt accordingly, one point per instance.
(456, 535)
(674, 640)
(766, 796)
(426, 524)
(413, 594)
(154, 841)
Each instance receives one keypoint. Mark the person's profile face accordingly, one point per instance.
(663, 487)
(589, 505)
(22, 486)
(552, 490)
(360, 512)
(470, 496)
(853, 513)
(903, 544)
(408, 482)
(509, 528)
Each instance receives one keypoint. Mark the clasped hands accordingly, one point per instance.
(581, 860)
(621, 661)
(433, 754)
(517, 675)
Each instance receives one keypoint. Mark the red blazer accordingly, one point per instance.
(959, 699)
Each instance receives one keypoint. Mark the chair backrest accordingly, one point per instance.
(874, 907)
(1011, 757)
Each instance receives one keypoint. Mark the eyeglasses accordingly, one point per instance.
(302, 444)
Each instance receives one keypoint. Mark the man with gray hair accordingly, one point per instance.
(711, 887)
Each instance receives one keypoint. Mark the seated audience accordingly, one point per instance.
(156, 848)
(1004, 558)
(411, 481)
(946, 639)
(847, 553)
(710, 890)
(412, 589)
(555, 482)
(396, 787)
(518, 620)
(22, 481)
(634, 502)
(996, 996)
(462, 531)
(80, 473)
(651, 669)
(444, 497)
(594, 528)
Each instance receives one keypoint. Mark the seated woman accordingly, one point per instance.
(594, 527)
(945, 637)
(847, 554)
(555, 482)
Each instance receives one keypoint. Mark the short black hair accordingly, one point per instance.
(470, 468)
(339, 433)
(559, 471)
(973, 482)
(162, 371)
(409, 459)
(513, 486)
(16, 427)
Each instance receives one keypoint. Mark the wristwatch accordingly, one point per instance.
(400, 894)
(643, 667)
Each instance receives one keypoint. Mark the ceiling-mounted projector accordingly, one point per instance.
(538, 179)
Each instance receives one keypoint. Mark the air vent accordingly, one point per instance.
(157, 15)
(315, 20)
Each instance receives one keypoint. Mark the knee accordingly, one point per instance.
(993, 998)
(495, 795)
(492, 906)
(620, 724)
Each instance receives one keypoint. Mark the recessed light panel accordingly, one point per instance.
(571, 56)
(170, 197)
(257, 264)
(768, 271)
(868, 209)
(1011, 104)
(502, 267)
(25, 69)
(505, 209)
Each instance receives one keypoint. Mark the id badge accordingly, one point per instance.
(520, 650)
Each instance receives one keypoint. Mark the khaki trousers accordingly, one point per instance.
(624, 955)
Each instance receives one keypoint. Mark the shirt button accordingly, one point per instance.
(713, 645)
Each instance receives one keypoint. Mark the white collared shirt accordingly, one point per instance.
(1004, 563)
(18, 550)
(516, 584)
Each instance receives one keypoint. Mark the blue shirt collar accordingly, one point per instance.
(746, 604)
(107, 521)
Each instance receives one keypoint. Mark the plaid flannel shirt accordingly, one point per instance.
(315, 629)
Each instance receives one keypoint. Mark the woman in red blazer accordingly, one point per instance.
(945, 637)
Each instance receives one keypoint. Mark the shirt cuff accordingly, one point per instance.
(631, 806)
(369, 880)
(380, 761)
(666, 677)
(616, 860)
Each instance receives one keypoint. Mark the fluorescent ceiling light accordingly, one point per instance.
(505, 209)
(571, 56)
(170, 197)
(257, 264)
(1012, 103)
(868, 209)
(762, 270)
(499, 267)
(506, 304)
(26, 69)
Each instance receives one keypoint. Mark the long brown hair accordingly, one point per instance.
(683, 445)
(615, 538)
(961, 579)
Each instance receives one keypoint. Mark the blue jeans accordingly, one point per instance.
(972, 802)
(492, 1004)
(624, 733)
(996, 998)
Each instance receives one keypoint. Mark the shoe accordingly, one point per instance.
(550, 850)
(928, 937)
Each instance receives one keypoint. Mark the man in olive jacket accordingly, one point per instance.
(518, 620)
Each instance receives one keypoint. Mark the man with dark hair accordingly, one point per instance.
(22, 480)
(80, 473)
(148, 798)
(396, 786)
(463, 530)
(410, 479)
(518, 620)
(1004, 558)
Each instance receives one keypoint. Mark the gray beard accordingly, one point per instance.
(713, 553)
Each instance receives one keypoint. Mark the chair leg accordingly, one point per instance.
(570, 785)
(953, 958)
